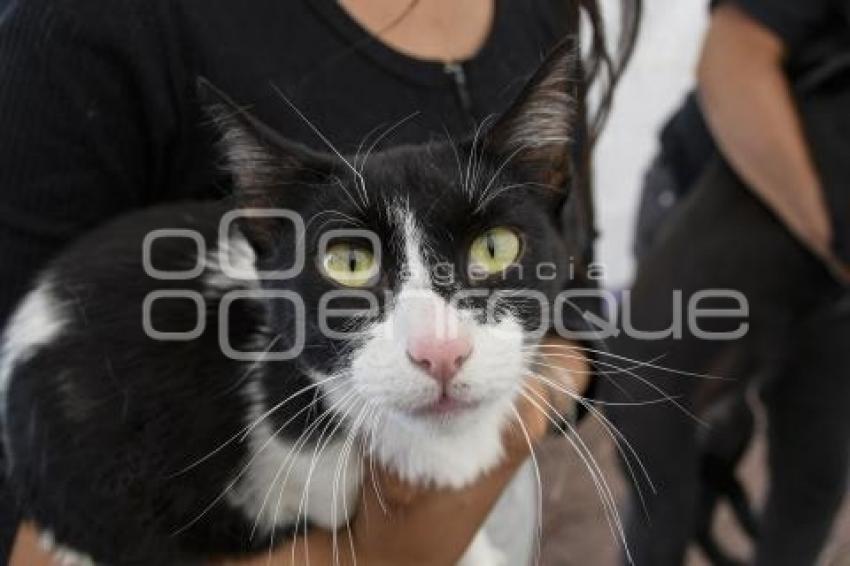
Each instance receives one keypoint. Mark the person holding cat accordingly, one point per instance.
(750, 194)
(102, 117)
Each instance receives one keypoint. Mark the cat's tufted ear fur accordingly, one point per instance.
(267, 169)
(536, 132)
(256, 155)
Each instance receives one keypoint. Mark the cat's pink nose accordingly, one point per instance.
(440, 358)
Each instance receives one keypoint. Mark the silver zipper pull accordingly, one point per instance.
(456, 71)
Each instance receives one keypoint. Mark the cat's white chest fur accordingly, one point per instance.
(284, 484)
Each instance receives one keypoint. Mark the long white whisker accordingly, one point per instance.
(472, 154)
(634, 366)
(241, 432)
(387, 132)
(606, 494)
(485, 199)
(341, 461)
(485, 123)
(289, 462)
(361, 182)
(342, 187)
(363, 141)
(539, 528)
(277, 406)
(350, 399)
(256, 364)
(655, 388)
(645, 403)
(640, 363)
(246, 467)
(334, 212)
(373, 430)
(354, 439)
(498, 172)
(614, 433)
(303, 508)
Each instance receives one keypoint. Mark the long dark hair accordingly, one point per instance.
(602, 66)
(604, 62)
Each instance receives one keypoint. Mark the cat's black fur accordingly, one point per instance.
(103, 424)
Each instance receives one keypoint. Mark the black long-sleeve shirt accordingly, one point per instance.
(98, 113)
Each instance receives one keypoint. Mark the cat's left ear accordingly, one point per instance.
(267, 169)
(536, 132)
(256, 155)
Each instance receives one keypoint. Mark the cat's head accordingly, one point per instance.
(428, 271)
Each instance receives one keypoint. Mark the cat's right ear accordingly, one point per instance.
(536, 132)
(256, 155)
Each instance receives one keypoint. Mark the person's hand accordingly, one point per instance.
(28, 552)
(561, 375)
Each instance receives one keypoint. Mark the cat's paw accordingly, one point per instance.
(482, 552)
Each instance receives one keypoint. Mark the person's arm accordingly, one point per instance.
(422, 526)
(747, 99)
(83, 114)
(426, 527)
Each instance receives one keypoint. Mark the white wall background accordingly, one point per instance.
(660, 74)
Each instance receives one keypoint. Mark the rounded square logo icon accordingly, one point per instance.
(226, 227)
(175, 233)
(297, 333)
(171, 336)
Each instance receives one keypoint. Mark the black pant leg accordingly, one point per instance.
(722, 238)
(809, 433)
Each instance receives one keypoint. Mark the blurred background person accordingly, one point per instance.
(752, 198)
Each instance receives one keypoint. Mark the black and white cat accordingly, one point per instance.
(392, 305)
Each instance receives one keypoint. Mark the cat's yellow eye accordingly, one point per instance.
(494, 251)
(350, 264)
